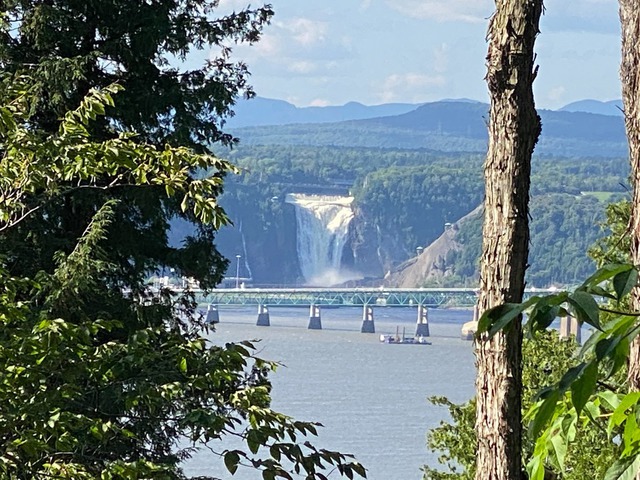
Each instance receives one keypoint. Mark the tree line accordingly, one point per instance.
(410, 195)
(104, 138)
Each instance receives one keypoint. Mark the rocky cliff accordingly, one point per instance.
(431, 264)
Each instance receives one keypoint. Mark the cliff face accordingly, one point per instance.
(268, 249)
(365, 247)
(432, 263)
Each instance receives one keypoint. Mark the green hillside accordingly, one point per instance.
(450, 127)
(403, 198)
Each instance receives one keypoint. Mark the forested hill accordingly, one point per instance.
(450, 126)
(403, 199)
(412, 172)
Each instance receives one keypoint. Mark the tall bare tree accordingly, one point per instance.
(514, 127)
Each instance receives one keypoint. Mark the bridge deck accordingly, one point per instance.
(430, 297)
(341, 296)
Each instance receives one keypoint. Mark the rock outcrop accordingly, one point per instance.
(432, 262)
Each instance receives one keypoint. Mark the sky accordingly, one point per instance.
(330, 52)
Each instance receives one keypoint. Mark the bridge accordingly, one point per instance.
(368, 298)
(401, 297)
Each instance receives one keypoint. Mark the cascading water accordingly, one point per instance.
(322, 229)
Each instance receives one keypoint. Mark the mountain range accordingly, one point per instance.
(260, 111)
(445, 126)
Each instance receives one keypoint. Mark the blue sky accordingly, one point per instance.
(331, 52)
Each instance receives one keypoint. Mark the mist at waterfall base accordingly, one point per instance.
(370, 397)
(322, 231)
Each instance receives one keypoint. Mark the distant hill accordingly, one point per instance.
(612, 107)
(450, 126)
(260, 111)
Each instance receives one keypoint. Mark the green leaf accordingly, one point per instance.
(253, 442)
(624, 282)
(542, 316)
(544, 413)
(601, 292)
(623, 469)
(610, 398)
(560, 450)
(585, 308)
(268, 475)
(497, 318)
(620, 413)
(619, 356)
(535, 468)
(605, 346)
(231, 460)
(359, 469)
(604, 273)
(584, 386)
(571, 376)
(183, 365)
(275, 453)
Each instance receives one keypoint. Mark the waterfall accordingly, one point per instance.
(322, 228)
(244, 251)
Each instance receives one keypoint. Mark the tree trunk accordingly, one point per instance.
(630, 77)
(513, 132)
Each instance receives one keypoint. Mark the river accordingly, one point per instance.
(370, 397)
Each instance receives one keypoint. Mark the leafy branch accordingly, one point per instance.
(577, 396)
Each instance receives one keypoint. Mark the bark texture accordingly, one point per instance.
(513, 132)
(630, 77)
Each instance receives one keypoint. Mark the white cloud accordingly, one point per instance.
(296, 47)
(302, 67)
(305, 31)
(581, 16)
(471, 11)
(559, 15)
(319, 102)
(228, 6)
(268, 45)
(411, 86)
(556, 94)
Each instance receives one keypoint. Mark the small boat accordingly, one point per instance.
(416, 340)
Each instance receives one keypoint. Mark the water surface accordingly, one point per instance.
(370, 397)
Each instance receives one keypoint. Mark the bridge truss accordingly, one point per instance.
(431, 297)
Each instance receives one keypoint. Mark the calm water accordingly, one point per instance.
(370, 397)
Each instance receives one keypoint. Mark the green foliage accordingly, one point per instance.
(614, 245)
(37, 168)
(67, 48)
(399, 198)
(99, 382)
(452, 127)
(100, 377)
(70, 47)
(590, 394)
(407, 196)
(455, 440)
(562, 227)
(545, 360)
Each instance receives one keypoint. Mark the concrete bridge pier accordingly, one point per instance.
(263, 316)
(212, 314)
(314, 318)
(469, 329)
(569, 327)
(422, 324)
(367, 320)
